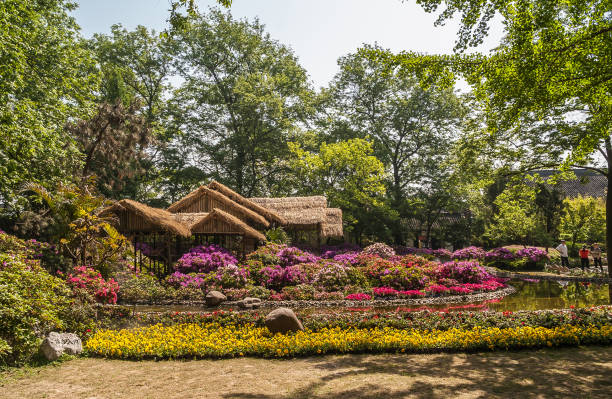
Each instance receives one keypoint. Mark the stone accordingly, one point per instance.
(56, 344)
(214, 298)
(283, 320)
(249, 303)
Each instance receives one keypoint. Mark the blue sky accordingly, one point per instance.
(319, 31)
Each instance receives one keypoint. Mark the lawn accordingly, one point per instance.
(560, 373)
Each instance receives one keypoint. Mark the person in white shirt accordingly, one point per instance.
(562, 248)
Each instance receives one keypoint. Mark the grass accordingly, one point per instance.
(561, 373)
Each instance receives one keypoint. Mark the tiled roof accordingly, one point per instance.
(587, 183)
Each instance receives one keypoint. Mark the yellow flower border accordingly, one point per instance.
(215, 341)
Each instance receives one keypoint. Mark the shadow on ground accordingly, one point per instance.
(544, 373)
(554, 373)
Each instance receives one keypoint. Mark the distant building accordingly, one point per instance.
(587, 183)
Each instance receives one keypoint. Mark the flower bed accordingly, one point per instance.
(276, 272)
(218, 341)
(401, 318)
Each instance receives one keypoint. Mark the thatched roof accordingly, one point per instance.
(231, 220)
(202, 191)
(189, 219)
(158, 219)
(332, 227)
(298, 211)
(269, 214)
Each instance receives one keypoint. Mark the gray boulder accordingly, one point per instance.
(249, 303)
(283, 320)
(214, 298)
(56, 344)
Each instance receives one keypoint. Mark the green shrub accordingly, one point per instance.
(300, 292)
(259, 292)
(32, 303)
(278, 236)
(141, 287)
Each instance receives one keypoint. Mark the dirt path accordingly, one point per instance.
(573, 372)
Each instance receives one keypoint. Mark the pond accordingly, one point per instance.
(529, 295)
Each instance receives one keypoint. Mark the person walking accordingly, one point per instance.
(596, 254)
(562, 248)
(584, 258)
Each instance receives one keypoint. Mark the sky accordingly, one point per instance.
(318, 31)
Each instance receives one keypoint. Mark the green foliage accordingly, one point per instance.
(513, 222)
(243, 97)
(84, 236)
(347, 173)
(32, 303)
(47, 79)
(583, 220)
(140, 287)
(278, 236)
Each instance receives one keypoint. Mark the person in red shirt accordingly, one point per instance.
(584, 257)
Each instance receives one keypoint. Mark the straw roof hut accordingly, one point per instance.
(299, 212)
(221, 222)
(269, 214)
(205, 199)
(135, 217)
(189, 219)
(332, 227)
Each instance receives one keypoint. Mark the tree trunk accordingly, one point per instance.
(609, 227)
(608, 211)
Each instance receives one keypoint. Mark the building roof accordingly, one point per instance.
(219, 215)
(269, 214)
(204, 191)
(297, 211)
(587, 183)
(157, 219)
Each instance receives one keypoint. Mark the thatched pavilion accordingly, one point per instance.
(308, 218)
(217, 214)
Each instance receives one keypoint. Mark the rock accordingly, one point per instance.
(283, 320)
(250, 303)
(57, 344)
(214, 298)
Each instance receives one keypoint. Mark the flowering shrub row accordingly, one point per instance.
(291, 273)
(216, 341)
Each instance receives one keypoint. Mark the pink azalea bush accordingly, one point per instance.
(463, 272)
(380, 249)
(469, 253)
(358, 297)
(384, 291)
(192, 280)
(86, 282)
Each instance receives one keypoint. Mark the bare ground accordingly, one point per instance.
(554, 373)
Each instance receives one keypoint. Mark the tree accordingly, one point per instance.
(411, 127)
(546, 88)
(514, 221)
(351, 178)
(243, 97)
(136, 66)
(583, 220)
(113, 144)
(48, 77)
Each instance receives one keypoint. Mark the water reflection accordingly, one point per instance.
(529, 295)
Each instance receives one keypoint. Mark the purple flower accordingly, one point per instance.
(499, 254)
(533, 254)
(204, 259)
(469, 253)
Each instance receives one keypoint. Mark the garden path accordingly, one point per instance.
(559, 373)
